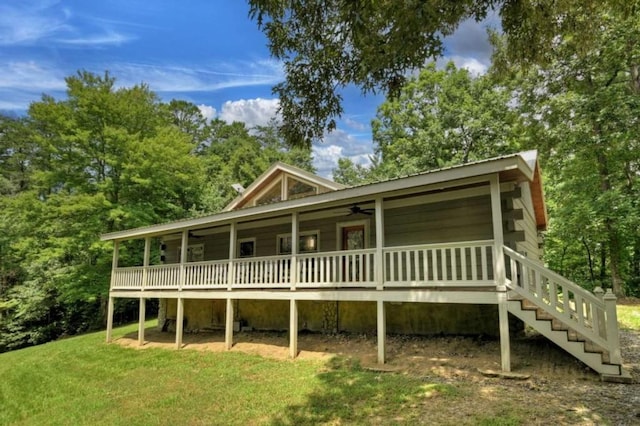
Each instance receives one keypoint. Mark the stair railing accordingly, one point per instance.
(592, 316)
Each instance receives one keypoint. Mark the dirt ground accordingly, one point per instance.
(560, 389)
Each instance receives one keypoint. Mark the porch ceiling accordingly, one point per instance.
(510, 168)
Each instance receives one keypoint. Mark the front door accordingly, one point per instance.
(353, 265)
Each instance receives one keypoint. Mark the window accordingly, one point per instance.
(298, 189)
(247, 247)
(195, 253)
(272, 196)
(308, 242)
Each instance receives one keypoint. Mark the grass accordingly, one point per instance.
(629, 316)
(82, 380)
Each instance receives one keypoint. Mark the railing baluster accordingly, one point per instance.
(484, 265)
(454, 264)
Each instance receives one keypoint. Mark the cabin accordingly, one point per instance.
(448, 251)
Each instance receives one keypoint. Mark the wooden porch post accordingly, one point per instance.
(293, 328)
(114, 266)
(232, 254)
(109, 319)
(379, 244)
(184, 246)
(228, 331)
(294, 250)
(145, 261)
(499, 273)
(179, 322)
(612, 327)
(142, 315)
(382, 331)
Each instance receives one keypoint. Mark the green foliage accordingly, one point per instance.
(444, 117)
(105, 159)
(327, 45)
(581, 110)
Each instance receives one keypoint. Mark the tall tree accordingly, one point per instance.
(328, 44)
(582, 106)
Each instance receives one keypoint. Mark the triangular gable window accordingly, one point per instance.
(299, 189)
(271, 196)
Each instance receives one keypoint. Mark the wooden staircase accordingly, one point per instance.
(580, 322)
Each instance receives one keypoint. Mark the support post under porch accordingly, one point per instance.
(109, 319)
(382, 331)
(505, 344)
(179, 322)
(141, 318)
(499, 272)
(293, 328)
(228, 330)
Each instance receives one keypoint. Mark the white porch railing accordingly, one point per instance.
(592, 316)
(271, 271)
(208, 274)
(354, 268)
(451, 264)
(127, 278)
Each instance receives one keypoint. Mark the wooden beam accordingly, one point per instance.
(379, 209)
(145, 261)
(233, 235)
(505, 349)
(110, 318)
(294, 250)
(228, 331)
(184, 246)
(141, 318)
(179, 322)
(293, 328)
(382, 331)
(498, 236)
(114, 262)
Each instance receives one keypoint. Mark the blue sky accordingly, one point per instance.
(204, 51)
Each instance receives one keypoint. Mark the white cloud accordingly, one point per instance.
(253, 112)
(208, 112)
(29, 21)
(108, 38)
(356, 125)
(170, 78)
(336, 145)
(30, 76)
(474, 66)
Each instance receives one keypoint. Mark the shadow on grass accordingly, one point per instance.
(349, 394)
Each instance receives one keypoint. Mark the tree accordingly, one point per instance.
(581, 106)
(444, 117)
(328, 44)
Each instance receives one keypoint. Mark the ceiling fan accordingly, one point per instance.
(356, 209)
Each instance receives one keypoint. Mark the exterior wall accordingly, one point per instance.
(354, 317)
(528, 247)
(446, 221)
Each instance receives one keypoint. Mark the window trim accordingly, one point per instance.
(315, 232)
(245, 240)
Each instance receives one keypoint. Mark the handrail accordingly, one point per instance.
(458, 244)
(335, 253)
(585, 312)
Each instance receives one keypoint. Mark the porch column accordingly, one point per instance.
(382, 331)
(293, 328)
(505, 346)
(179, 322)
(498, 237)
(379, 245)
(184, 246)
(114, 266)
(499, 273)
(145, 261)
(109, 319)
(228, 331)
(233, 234)
(294, 251)
(142, 314)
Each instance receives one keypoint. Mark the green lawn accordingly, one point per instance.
(629, 316)
(82, 380)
